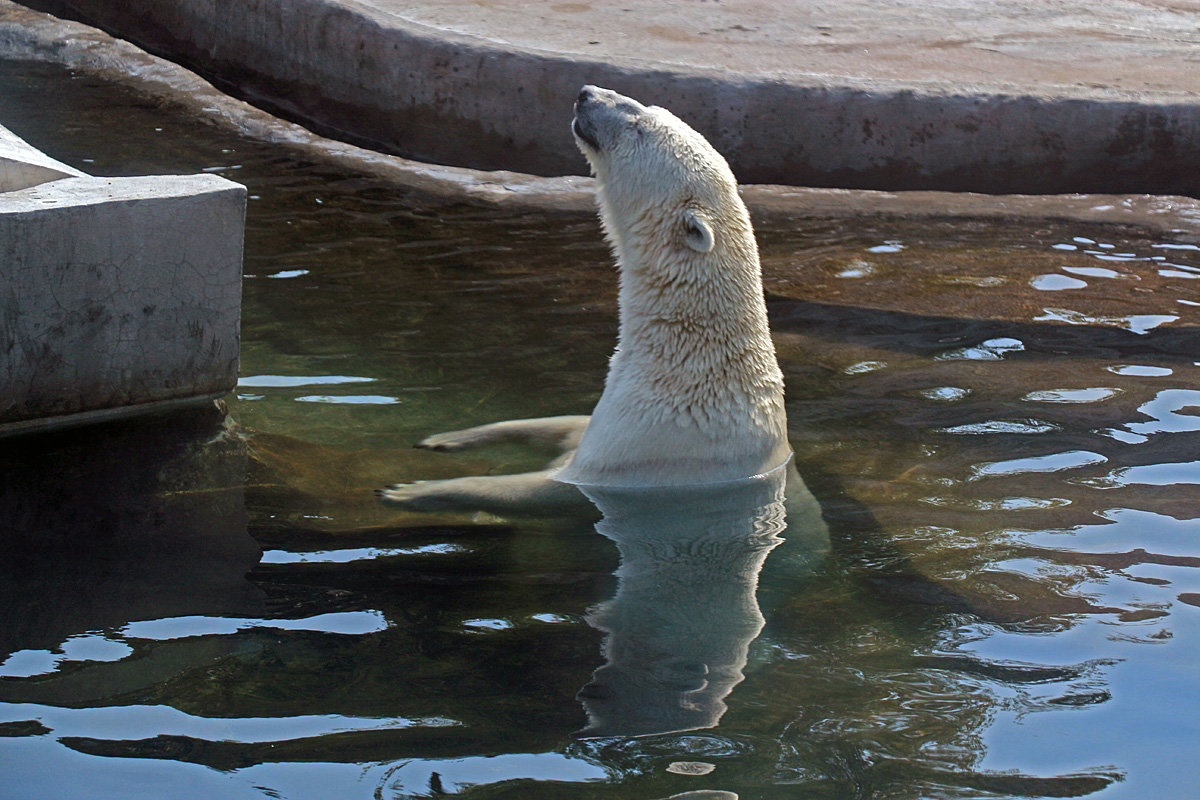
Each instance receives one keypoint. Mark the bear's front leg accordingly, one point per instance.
(562, 433)
(526, 493)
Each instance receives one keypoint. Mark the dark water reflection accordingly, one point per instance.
(124, 522)
(1005, 465)
(678, 630)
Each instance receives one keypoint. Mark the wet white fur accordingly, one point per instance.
(694, 393)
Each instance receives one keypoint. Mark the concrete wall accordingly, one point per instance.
(357, 74)
(117, 294)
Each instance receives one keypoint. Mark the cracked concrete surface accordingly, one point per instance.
(117, 294)
(1122, 47)
(1028, 96)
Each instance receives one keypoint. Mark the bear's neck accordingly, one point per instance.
(707, 341)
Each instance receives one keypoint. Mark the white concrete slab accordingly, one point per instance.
(117, 293)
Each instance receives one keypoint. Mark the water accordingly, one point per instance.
(1008, 603)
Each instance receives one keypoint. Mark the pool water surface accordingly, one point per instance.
(993, 589)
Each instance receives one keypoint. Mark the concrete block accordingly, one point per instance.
(117, 295)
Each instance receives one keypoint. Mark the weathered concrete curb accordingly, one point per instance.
(118, 296)
(357, 72)
(35, 36)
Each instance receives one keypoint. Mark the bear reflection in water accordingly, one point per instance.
(685, 613)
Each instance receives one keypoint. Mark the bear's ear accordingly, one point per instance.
(697, 232)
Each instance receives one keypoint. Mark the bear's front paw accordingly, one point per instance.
(416, 496)
(447, 442)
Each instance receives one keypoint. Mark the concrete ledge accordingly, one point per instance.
(30, 35)
(1177, 218)
(118, 292)
(27, 35)
(366, 72)
(101, 415)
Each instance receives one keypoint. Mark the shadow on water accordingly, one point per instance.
(119, 522)
(934, 334)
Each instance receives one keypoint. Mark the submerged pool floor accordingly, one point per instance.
(1000, 425)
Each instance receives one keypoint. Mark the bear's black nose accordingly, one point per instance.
(585, 94)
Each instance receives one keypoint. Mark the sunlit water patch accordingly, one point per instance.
(945, 394)
(349, 399)
(348, 555)
(1096, 394)
(989, 350)
(346, 623)
(1093, 272)
(1056, 283)
(1001, 426)
(1136, 323)
(1140, 370)
(1055, 462)
(291, 381)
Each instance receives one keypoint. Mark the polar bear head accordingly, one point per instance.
(661, 186)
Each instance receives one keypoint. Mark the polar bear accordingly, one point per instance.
(694, 393)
